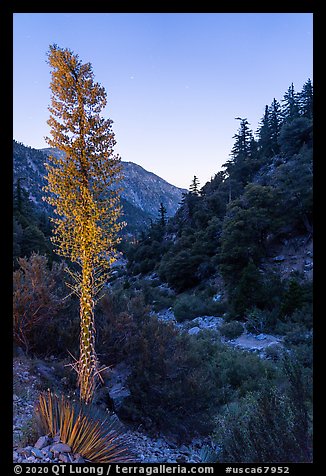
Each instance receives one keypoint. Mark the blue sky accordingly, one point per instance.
(175, 81)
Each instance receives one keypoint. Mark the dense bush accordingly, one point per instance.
(46, 314)
(145, 256)
(262, 428)
(231, 330)
(256, 320)
(268, 426)
(180, 270)
(274, 352)
(246, 225)
(159, 297)
(187, 307)
(37, 299)
(179, 381)
(60, 335)
(296, 296)
(118, 317)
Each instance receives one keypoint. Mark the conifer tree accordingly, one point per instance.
(306, 100)
(194, 186)
(162, 215)
(275, 126)
(82, 189)
(290, 108)
(240, 150)
(243, 155)
(264, 133)
(18, 196)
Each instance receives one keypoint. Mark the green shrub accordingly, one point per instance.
(256, 321)
(296, 335)
(188, 307)
(159, 298)
(294, 297)
(242, 372)
(119, 315)
(179, 270)
(269, 425)
(145, 256)
(178, 381)
(147, 265)
(303, 316)
(29, 433)
(274, 352)
(162, 301)
(172, 383)
(262, 428)
(248, 292)
(231, 330)
(58, 335)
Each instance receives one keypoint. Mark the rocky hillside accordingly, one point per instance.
(146, 190)
(32, 376)
(142, 193)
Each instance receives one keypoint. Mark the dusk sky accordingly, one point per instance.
(175, 81)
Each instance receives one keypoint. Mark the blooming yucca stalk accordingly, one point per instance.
(82, 188)
(97, 440)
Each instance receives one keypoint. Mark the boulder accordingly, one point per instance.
(60, 448)
(116, 384)
(279, 258)
(24, 451)
(78, 458)
(117, 394)
(42, 442)
(37, 453)
(217, 297)
(64, 458)
(261, 337)
(194, 330)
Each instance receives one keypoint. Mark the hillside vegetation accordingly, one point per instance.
(234, 262)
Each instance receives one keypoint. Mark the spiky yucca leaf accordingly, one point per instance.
(97, 440)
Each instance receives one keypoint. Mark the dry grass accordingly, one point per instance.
(97, 441)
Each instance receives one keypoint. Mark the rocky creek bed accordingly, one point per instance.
(247, 341)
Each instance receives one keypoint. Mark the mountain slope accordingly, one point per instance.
(146, 190)
(142, 194)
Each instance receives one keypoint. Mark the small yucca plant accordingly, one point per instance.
(97, 440)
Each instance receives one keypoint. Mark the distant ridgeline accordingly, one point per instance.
(143, 192)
